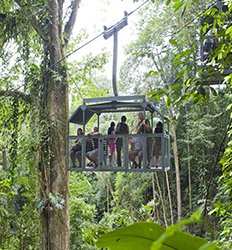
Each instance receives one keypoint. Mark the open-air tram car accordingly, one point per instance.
(147, 159)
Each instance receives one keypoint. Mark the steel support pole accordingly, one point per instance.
(113, 31)
(83, 144)
(98, 121)
(115, 60)
(83, 119)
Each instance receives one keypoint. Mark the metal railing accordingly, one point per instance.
(125, 153)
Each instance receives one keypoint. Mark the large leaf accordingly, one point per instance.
(137, 236)
(147, 236)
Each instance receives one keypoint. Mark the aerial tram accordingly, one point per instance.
(154, 150)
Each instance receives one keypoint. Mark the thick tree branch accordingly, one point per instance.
(72, 19)
(16, 94)
(54, 32)
(33, 20)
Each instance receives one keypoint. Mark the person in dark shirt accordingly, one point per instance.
(121, 129)
(157, 144)
(111, 129)
(159, 128)
(111, 142)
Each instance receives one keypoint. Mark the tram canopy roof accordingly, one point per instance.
(92, 106)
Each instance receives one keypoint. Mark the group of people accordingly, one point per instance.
(91, 148)
(115, 142)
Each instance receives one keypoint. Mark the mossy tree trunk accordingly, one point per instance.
(177, 170)
(53, 154)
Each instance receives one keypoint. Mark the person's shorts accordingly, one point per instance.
(112, 147)
(92, 153)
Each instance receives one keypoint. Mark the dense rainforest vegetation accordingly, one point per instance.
(181, 57)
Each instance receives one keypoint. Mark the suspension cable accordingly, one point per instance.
(82, 46)
(100, 34)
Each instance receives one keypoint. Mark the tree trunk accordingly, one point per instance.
(177, 169)
(189, 178)
(155, 213)
(161, 199)
(53, 164)
(169, 197)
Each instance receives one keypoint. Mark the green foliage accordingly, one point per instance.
(151, 236)
(220, 59)
(19, 219)
(82, 213)
(86, 80)
(223, 204)
(161, 62)
(175, 76)
(131, 192)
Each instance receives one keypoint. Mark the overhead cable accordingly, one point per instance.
(83, 45)
(100, 34)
